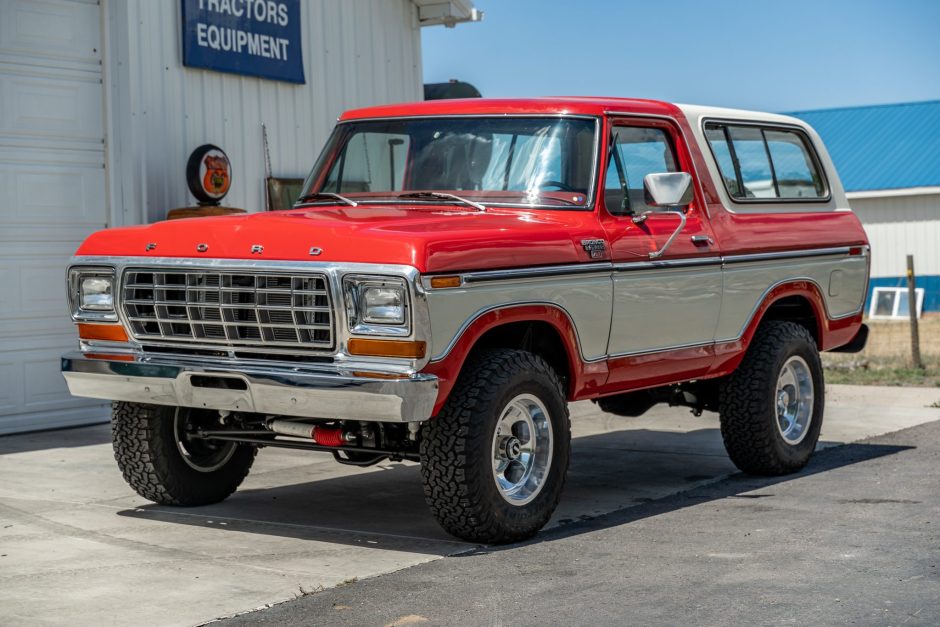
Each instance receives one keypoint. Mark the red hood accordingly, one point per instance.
(432, 239)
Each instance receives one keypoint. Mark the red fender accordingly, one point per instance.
(585, 377)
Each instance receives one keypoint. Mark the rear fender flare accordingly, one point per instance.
(832, 332)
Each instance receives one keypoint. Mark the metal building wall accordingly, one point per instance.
(52, 196)
(898, 226)
(356, 53)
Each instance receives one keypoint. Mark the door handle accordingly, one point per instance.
(702, 240)
(656, 254)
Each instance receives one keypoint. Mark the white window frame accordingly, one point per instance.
(895, 315)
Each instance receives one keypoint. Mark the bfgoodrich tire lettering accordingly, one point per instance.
(152, 460)
(457, 463)
(748, 401)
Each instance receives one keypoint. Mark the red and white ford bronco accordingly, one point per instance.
(454, 274)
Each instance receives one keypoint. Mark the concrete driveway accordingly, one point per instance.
(77, 546)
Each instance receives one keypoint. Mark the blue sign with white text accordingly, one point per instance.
(251, 37)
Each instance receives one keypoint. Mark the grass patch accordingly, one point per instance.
(886, 359)
(904, 376)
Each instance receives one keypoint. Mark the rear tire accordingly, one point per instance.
(772, 406)
(494, 460)
(164, 466)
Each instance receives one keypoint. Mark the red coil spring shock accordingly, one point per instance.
(328, 436)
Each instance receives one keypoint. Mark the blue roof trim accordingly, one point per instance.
(877, 147)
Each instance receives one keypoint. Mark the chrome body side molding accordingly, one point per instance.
(535, 273)
(592, 268)
(790, 254)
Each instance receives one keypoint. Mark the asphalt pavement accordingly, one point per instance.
(78, 547)
(853, 539)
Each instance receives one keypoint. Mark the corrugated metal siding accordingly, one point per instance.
(356, 53)
(52, 195)
(898, 226)
(882, 147)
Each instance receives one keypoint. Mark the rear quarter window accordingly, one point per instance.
(766, 163)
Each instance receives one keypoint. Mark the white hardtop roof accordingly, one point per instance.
(696, 112)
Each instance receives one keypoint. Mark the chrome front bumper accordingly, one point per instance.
(309, 391)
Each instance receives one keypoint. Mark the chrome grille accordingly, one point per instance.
(231, 308)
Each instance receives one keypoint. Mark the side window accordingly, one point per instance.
(370, 162)
(765, 163)
(796, 174)
(757, 177)
(719, 143)
(635, 152)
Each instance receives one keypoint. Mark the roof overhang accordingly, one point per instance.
(446, 12)
(889, 193)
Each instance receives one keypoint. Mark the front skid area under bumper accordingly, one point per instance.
(319, 391)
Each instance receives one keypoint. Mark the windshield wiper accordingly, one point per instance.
(316, 195)
(444, 196)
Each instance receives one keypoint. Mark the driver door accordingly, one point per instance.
(667, 291)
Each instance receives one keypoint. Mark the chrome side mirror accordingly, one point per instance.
(668, 189)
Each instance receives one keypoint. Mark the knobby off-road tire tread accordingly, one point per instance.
(455, 493)
(750, 435)
(143, 452)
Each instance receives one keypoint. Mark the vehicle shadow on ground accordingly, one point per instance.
(736, 485)
(614, 478)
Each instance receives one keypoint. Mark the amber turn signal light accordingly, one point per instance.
(107, 332)
(386, 348)
(445, 281)
(109, 357)
(379, 375)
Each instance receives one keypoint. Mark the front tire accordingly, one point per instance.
(165, 466)
(494, 460)
(771, 407)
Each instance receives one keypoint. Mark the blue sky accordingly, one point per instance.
(777, 56)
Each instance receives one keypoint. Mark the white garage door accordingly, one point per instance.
(52, 194)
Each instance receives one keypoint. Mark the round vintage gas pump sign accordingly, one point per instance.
(209, 174)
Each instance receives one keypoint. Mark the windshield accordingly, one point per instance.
(506, 160)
